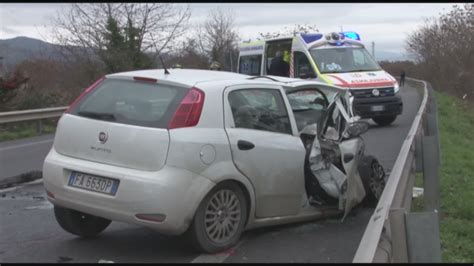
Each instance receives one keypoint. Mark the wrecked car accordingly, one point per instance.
(207, 154)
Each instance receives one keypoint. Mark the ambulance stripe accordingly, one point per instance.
(370, 84)
(343, 82)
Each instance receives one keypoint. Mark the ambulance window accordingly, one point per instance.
(302, 67)
(359, 57)
(250, 65)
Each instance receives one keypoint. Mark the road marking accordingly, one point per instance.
(218, 257)
(22, 185)
(27, 144)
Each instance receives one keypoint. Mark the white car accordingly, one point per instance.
(206, 153)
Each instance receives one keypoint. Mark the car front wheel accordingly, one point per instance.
(373, 177)
(219, 219)
(78, 223)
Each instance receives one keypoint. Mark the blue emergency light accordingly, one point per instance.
(351, 35)
(309, 38)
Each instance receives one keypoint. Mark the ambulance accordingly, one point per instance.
(336, 58)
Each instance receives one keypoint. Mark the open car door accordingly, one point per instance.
(334, 154)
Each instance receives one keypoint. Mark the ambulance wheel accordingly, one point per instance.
(384, 120)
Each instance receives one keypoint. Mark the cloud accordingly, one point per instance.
(386, 24)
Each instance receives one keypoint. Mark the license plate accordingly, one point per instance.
(377, 108)
(94, 183)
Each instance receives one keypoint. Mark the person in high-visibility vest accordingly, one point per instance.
(286, 56)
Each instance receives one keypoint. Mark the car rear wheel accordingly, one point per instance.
(384, 120)
(373, 177)
(219, 219)
(78, 223)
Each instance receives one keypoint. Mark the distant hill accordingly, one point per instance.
(390, 56)
(17, 49)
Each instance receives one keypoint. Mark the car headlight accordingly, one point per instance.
(396, 88)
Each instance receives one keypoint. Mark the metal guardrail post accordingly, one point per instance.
(430, 174)
(399, 239)
(39, 127)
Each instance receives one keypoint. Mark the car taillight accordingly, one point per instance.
(86, 91)
(189, 110)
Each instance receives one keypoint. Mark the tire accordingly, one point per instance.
(205, 236)
(384, 120)
(373, 177)
(78, 223)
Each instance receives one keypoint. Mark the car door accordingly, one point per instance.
(265, 147)
(333, 125)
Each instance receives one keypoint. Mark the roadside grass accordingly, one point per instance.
(456, 127)
(456, 124)
(13, 131)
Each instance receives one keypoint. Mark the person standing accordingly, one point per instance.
(402, 78)
(278, 66)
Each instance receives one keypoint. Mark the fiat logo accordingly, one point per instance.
(103, 137)
(375, 92)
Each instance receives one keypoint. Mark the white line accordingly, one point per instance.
(218, 257)
(27, 144)
(22, 185)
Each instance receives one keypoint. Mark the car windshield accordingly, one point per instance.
(343, 59)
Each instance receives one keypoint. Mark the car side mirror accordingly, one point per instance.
(356, 129)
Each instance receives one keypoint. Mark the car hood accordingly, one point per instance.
(361, 80)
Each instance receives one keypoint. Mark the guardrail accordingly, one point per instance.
(35, 114)
(394, 234)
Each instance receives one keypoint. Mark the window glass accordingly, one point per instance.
(260, 109)
(131, 102)
(301, 64)
(308, 107)
(343, 59)
(250, 65)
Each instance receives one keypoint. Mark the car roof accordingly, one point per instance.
(190, 77)
(184, 76)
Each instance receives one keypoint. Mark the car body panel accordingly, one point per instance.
(135, 147)
(278, 179)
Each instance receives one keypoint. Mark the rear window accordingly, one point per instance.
(131, 102)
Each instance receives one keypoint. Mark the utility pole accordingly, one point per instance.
(373, 50)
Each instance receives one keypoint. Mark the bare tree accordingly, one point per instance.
(286, 31)
(218, 38)
(146, 27)
(443, 48)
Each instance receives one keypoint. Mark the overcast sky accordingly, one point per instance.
(386, 24)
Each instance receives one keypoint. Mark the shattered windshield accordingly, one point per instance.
(343, 59)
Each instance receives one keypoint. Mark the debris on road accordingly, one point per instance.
(64, 259)
(105, 261)
(417, 192)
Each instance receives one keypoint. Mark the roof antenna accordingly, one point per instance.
(163, 64)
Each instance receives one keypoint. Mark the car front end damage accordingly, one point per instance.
(335, 154)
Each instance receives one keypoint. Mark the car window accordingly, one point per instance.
(131, 102)
(261, 109)
(308, 107)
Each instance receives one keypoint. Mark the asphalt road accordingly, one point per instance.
(25, 155)
(29, 232)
